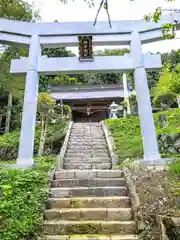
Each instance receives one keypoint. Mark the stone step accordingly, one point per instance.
(89, 227)
(83, 137)
(88, 191)
(92, 126)
(91, 237)
(87, 155)
(94, 182)
(92, 141)
(86, 160)
(90, 202)
(96, 135)
(83, 166)
(87, 124)
(87, 151)
(87, 130)
(88, 143)
(88, 174)
(87, 147)
(83, 214)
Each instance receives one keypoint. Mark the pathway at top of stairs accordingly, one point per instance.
(88, 200)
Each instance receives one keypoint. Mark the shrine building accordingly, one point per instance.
(96, 98)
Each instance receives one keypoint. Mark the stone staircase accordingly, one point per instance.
(88, 200)
(87, 148)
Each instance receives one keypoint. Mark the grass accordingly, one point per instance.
(127, 133)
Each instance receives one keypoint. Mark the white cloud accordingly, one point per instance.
(51, 10)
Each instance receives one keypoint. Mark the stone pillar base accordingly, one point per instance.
(18, 166)
(162, 162)
(25, 161)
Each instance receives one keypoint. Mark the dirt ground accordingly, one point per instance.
(159, 194)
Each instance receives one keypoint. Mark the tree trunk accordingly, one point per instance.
(44, 128)
(8, 114)
(1, 117)
(41, 142)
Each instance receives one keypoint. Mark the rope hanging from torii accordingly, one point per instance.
(103, 3)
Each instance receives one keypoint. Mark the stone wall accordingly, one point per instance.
(169, 143)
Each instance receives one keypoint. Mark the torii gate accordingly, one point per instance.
(49, 35)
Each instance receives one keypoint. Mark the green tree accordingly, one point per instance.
(162, 93)
(12, 84)
(15, 10)
(63, 80)
(106, 78)
(56, 80)
(175, 84)
(46, 106)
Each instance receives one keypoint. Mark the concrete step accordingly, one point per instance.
(94, 182)
(90, 202)
(83, 214)
(89, 227)
(91, 237)
(83, 166)
(88, 174)
(88, 191)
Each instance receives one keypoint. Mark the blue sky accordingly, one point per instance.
(51, 10)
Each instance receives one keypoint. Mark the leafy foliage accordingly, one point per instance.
(167, 87)
(63, 80)
(17, 10)
(23, 194)
(55, 135)
(46, 106)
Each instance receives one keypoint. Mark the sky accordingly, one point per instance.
(51, 10)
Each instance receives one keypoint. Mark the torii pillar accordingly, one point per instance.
(28, 124)
(151, 152)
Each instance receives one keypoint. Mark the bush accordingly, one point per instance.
(23, 194)
(127, 133)
(9, 142)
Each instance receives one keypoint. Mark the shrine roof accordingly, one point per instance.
(109, 91)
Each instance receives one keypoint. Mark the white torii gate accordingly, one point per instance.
(37, 35)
